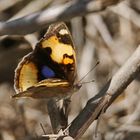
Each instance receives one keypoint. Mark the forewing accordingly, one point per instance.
(56, 51)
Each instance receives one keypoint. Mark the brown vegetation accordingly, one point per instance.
(104, 30)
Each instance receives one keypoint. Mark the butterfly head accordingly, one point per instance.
(77, 86)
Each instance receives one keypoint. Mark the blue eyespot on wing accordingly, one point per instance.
(47, 72)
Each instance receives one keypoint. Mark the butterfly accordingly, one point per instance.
(49, 71)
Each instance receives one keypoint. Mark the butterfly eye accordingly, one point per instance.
(47, 72)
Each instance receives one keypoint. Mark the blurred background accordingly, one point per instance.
(110, 36)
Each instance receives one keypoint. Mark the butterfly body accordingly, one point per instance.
(49, 71)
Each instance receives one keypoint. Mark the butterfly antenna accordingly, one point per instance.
(89, 72)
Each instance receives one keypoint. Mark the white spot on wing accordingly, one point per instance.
(63, 32)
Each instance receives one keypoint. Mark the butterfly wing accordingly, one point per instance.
(26, 74)
(49, 88)
(56, 51)
(53, 58)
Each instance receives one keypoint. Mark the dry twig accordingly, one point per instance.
(38, 20)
